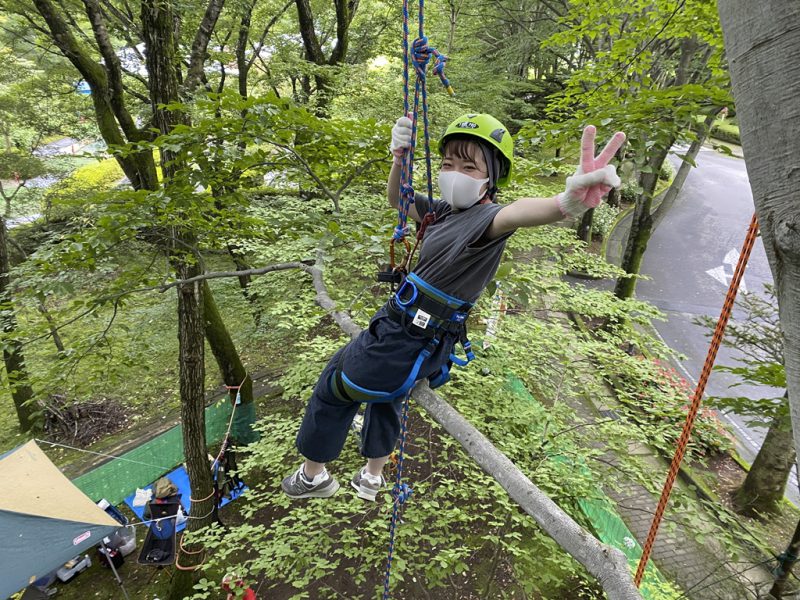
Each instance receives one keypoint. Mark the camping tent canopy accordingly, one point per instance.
(44, 519)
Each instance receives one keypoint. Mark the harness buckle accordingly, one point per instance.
(393, 276)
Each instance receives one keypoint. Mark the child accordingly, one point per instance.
(413, 335)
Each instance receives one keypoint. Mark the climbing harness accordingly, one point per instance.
(420, 54)
(433, 315)
(716, 340)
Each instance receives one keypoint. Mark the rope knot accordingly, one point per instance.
(400, 232)
(421, 54)
(407, 192)
(438, 69)
(402, 493)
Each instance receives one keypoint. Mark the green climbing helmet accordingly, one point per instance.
(489, 129)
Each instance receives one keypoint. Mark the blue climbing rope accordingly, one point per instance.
(401, 492)
(420, 55)
(417, 55)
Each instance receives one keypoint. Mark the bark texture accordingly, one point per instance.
(762, 43)
(762, 490)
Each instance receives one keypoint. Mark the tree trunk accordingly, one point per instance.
(585, 226)
(762, 44)
(17, 373)
(231, 365)
(345, 9)
(162, 59)
(641, 226)
(192, 386)
(113, 120)
(451, 34)
(683, 170)
(764, 485)
(785, 563)
(613, 198)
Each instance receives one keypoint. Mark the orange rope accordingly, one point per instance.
(182, 549)
(204, 499)
(716, 340)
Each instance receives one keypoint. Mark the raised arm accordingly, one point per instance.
(584, 190)
(401, 140)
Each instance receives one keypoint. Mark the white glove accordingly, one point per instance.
(401, 136)
(585, 190)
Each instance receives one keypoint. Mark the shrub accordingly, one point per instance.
(629, 191)
(656, 397)
(60, 200)
(667, 171)
(603, 219)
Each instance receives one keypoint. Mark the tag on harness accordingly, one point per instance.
(421, 319)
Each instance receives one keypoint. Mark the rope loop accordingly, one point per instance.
(438, 69)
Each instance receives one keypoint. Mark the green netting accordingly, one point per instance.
(608, 526)
(611, 530)
(243, 421)
(121, 476)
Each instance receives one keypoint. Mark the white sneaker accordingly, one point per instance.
(367, 485)
(297, 486)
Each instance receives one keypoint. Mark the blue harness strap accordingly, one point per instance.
(348, 391)
(444, 314)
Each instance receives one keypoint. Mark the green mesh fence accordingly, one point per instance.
(121, 476)
(611, 530)
(243, 420)
(609, 526)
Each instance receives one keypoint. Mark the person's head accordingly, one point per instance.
(477, 154)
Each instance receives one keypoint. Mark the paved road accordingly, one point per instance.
(691, 253)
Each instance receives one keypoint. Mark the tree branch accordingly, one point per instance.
(113, 69)
(307, 32)
(199, 53)
(258, 47)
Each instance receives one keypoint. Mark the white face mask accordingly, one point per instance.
(460, 191)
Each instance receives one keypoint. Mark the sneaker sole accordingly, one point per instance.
(326, 493)
(362, 494)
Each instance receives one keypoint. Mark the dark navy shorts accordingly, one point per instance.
(380, 358)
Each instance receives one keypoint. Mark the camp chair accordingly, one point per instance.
(158, 549)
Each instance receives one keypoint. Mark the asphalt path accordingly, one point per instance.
(689, 263)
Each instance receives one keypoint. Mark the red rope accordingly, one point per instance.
(716, 340)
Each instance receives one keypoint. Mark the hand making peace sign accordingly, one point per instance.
(594, 177)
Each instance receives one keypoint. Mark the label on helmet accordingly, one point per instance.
(467, 125)
(421, 319)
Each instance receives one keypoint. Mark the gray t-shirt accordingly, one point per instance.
(453, 257)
